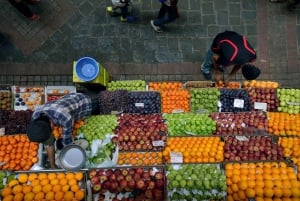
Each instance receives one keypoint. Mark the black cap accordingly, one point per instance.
(250, 72)
(40, 131)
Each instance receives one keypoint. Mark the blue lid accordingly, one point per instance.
(87, 68)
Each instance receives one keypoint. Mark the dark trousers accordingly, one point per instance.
(22, 7)
(170, 11)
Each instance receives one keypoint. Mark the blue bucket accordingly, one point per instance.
(87, 68)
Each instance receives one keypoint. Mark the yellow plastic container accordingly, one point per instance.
(102, 78)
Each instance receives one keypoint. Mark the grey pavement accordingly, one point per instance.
(42, 52)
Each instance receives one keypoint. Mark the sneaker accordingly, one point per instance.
(156, 28)
(123, 19)
(35, 17)
(109, 9)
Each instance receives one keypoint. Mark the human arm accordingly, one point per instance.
(234, 70)
(51, 156)
(216, 66)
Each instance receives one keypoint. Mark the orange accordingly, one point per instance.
(59, 196)
(250, 192)
(6, 191)
(29, 196)
(18, 197)
(52, 175)
(74, 188)
(17, 189)
(78, 176)
(49, 196)
(42, 176)
(68, 196)
(44, 181)
(35, 182)
(242, 195)
(63, 181)
(8, 198)
(268, 184)
(36, 189)
(277, 192)
(26, 189)
(286, 192)
(32, 176)
(259, 192)
(72, 181)
(22, 178)
(70, 175)
(295, 192)
(79, 195)
(65, 188)
(56, 188)
(54, 182)
(268, 192)
(60, 175)
(243, 185)
(47, 188)
(39, 196)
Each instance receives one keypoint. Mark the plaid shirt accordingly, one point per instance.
(65, 111)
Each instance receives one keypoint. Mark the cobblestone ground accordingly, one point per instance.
(42, 52)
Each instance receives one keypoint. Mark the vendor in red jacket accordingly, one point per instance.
(230, 49)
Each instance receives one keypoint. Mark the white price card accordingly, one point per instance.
(178, 111)
(239, 103)
(139, 104)
(260, 106)
(176, 157)
(158, 143)
(242, 138)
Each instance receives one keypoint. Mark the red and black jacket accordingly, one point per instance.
(233, 49)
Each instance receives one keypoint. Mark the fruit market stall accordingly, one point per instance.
(170, 141)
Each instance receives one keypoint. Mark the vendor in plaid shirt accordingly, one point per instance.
(62, 112)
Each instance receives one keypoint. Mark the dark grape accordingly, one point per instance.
(112, 101)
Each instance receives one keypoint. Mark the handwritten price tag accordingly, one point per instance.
(238, 103)
(158, 143)
(260, 106)
(176, 157)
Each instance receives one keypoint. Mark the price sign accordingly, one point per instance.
(260, 106)
(139, 104)
(178, 111)
(176, 157)
(239, 103)
(242, 138)
(158, 143)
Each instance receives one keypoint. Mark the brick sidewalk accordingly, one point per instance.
(42, 52)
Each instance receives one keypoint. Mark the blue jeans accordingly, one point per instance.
(162, 19)
(207, 64)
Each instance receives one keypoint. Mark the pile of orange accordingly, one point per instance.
(140, 158)
(17, 152)
(231, 85)
(260, 84)
(284, 124)
(271, 181)
(57, 130)
(158, 86)
(195, 149)
(173, 97)
(290, 145)
(175, 100)
(44, 186)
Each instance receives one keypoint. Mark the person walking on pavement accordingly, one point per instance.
(168, 7)
(230, 49)
(119, 4)
(22, 7)
(292, 4)
(62, 112)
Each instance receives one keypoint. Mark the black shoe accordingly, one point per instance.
(207, 76)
